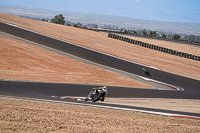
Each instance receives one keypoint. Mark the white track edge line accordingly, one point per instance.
(109, 107)
(83, 47)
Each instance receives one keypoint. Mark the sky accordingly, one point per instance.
(163, 10)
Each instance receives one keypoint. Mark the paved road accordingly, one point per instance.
(191, 86)
(47, 90)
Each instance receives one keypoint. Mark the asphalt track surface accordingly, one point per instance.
(191, 86)
(46, 90)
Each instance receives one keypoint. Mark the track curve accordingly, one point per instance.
(191, 86)
(45, 91)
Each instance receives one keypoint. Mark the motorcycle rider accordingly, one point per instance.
(91, 93)
(94, 91)
(145, 71)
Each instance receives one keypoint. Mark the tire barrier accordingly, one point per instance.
(160, 38)
(155, 47)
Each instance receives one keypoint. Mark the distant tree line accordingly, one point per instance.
(192, 38)
(60, 19)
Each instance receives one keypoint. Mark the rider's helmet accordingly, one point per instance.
(143, 69)
(104, 88)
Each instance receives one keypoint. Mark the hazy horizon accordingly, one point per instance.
(161, 10)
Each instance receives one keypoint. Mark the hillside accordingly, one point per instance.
(21, 61)
(100, 42)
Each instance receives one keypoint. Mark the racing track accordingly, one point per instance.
(191, 86)
(46, 90)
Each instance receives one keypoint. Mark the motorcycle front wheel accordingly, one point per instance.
(96, 97)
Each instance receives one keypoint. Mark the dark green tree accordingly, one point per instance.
(134, 32)
(75, 25)
(125, 31)
(152, 33)
(144, 32)
(163, 36)
(176, 36)
(58, 19)
(79, 24)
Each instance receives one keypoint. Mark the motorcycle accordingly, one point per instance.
(97, 94)
(145, 72)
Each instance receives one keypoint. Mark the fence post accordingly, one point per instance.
(112, 35)
(108, 34)
(169, 51)
(189, 56)
(129, 40)
(173, 52)
(177, 53)
(192, 57)
(124, 39)
(198, 58)
(184, 55)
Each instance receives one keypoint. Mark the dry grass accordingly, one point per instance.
(185, 105)
(28, 116)
(20, 61)
(100, 42)
(182, 47)
(42, 65)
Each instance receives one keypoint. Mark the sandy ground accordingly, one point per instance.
(29, 116)
(21, 61)
(100, 42)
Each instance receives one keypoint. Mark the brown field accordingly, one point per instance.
(182, 47)
(20, 61)
(100, 42)
(28, 116)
